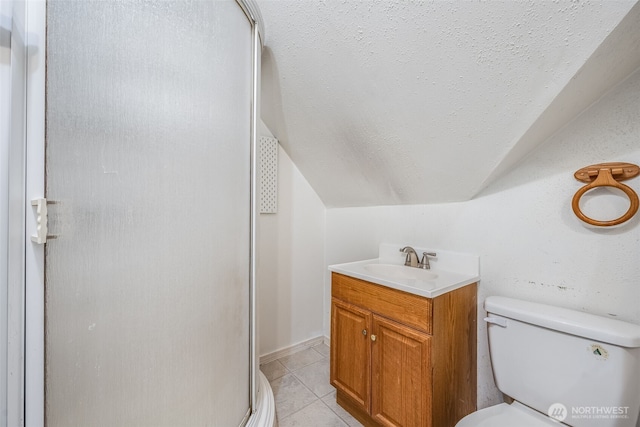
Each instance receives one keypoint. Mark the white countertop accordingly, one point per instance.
(447, 280)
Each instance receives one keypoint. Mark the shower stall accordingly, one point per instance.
(145, 314)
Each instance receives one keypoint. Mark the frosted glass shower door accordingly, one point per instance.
(148, 173)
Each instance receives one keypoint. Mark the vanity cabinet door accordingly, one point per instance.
(350, 352)
(401, 375)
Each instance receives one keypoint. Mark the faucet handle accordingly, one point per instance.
(425, 260)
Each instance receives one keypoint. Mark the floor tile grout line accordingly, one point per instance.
(302, 384)
(304, 366)
(305, 406)
(302, 381)
(317, 398)
(325, 404)
(337, 414)
(314, 393)
(287, 371)
(310, 403)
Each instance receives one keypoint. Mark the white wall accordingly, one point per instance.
(290, 263)
(531, 244)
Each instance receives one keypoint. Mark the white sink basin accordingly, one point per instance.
(393, 271)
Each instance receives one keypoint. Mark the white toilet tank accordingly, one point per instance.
(586, 365)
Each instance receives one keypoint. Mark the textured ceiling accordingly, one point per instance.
(395, 102)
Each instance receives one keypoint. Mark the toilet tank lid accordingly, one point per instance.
(573, 322)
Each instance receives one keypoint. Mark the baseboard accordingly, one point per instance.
(270, 357)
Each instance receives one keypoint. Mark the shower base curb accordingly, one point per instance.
(265, 413)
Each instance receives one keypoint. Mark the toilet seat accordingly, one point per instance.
(505, 415)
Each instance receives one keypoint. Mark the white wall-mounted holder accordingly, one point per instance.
(41, 221)
(268, 175)
(606, 175)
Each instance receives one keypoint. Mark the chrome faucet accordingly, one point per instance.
(424, 264)
(412, 256)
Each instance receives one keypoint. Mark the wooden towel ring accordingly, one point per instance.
(606, 175)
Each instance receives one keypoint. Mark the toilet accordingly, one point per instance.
(560, 365)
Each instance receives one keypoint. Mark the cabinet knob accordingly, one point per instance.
(373, 337)
(364, 332)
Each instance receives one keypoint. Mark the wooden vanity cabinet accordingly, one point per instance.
(399, 359)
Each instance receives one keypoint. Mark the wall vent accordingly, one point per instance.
(268, 175)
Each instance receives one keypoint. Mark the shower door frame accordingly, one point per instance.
(31, 388)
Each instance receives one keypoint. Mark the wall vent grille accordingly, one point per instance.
(268, 175)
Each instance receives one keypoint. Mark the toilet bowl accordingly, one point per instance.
(560, 365)
(507, 415)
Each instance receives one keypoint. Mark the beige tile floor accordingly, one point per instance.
(303, 395)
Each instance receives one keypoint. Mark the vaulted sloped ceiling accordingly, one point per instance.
(395, 102)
